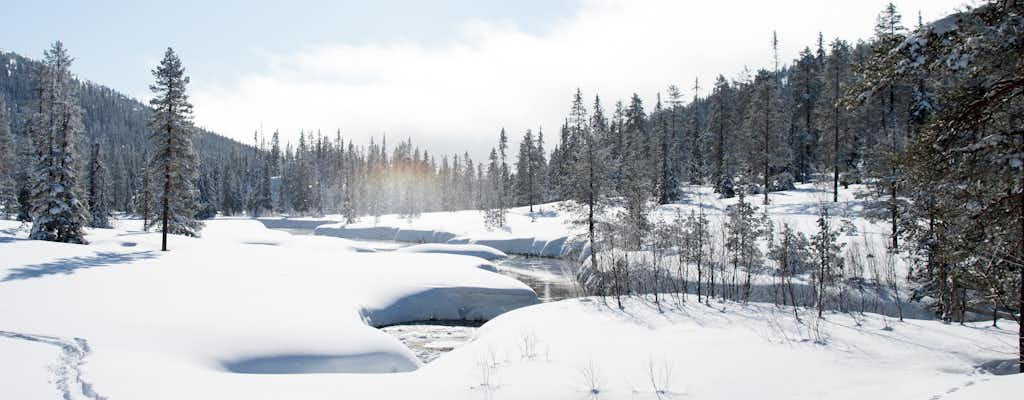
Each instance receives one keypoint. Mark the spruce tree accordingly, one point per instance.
(766, 154)
(8, 166)
(97, 189)
(635, 175)
(526, 174)
(833, 117)
(720, 126)
(173, 164)
(54, 128)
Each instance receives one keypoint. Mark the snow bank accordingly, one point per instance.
(540, 233)
(223, 311)
(476, 250)
(526, 245)
(292, 223)
(446, 304)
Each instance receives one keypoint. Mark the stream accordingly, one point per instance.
(551, 278)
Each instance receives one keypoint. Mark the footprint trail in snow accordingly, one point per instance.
(66, 375)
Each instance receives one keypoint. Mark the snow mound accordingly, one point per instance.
(558, 246)
(475, 250)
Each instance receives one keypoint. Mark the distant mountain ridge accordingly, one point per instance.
(114, 120)
(109, 115)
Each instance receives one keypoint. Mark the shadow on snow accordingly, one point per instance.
(69, 265)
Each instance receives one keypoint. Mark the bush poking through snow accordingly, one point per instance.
(592, 379)
(528, 345)
(660, 377)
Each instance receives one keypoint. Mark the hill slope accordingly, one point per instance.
(114, 120)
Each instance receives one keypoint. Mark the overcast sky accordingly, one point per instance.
(448, 74)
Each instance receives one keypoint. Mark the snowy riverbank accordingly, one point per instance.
(249, 312)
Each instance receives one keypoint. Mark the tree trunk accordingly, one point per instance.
(167, 194)
(767, 109)
(835, 142)
(1020, 293)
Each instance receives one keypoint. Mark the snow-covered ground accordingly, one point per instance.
(213, 313)
(248, 312)
(548, 230)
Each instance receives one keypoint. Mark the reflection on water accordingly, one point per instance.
(552, 278)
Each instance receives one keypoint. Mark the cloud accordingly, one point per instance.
(457, 96)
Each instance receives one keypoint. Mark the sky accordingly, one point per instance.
(447, 74)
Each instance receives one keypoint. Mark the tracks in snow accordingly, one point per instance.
(66, 374)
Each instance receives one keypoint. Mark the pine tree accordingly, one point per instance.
(54, 128)
(766, 154)
(963, 165)
(696, 133)
(588, 174)
(504, 179)
(791, 256)
(97, 190)
(526, 174)
(174, 162)
(833, 122)
(8, 166)
(807, 88)
(744, 229)
(826, 252)
(720, 125)
(274, 164)
(539, 168)
(494, 217)
(879, 73)
(635, 176)
(666, 184)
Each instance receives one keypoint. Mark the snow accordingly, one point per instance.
(476, 250)
(248, 312)
(223, 311)
(1003, 387)
(24, 369)
(544, 232)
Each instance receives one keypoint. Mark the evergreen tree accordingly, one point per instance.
(720, 125)
(504, 179)
(963, 166)
(495, 215)
(54, 128)
(539, 168)
(833, 122)
(879, 72)
(665, 184)
(743, 230)
(526, 174)
(8, 166)
(766, 155)
(174, 164)
(826, 252)
(97, 190)
(806, 79)
(636, 178)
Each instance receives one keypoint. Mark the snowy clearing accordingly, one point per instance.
(249, 312)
